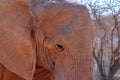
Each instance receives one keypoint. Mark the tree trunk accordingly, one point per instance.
(110, 76)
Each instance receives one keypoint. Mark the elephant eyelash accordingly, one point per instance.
(60, 47)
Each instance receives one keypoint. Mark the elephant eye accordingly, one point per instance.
(60, 47)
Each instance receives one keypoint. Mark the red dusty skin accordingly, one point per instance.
(45, 41)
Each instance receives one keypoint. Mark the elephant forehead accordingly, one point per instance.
(65, 25)
(57, 20)
(64, 19)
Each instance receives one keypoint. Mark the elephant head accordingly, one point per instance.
(55, 37)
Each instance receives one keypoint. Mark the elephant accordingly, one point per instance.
(47, 41)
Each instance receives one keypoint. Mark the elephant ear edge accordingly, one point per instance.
(17, 51)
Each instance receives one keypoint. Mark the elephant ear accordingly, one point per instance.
(17, 51)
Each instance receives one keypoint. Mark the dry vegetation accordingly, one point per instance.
(107, 43)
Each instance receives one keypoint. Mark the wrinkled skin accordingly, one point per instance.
(45, 42)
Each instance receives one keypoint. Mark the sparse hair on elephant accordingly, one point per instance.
(45, 41)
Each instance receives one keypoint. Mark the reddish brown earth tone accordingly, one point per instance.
(45, 41)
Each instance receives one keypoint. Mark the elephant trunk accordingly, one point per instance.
(75, 67)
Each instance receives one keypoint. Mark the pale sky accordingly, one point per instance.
(79, 1)
(101, 2)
